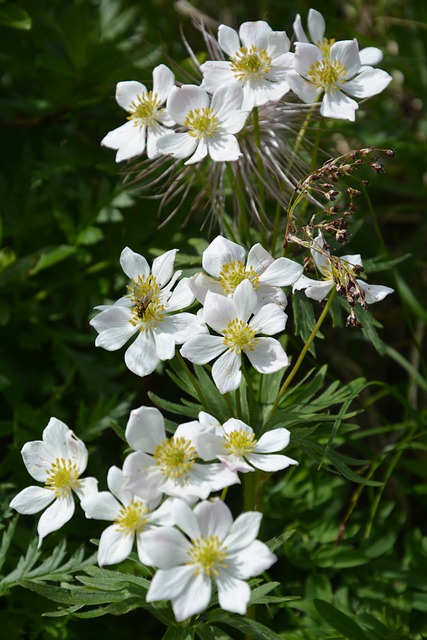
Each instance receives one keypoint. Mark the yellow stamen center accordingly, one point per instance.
(238, 336)
(175, 457)
(131, 519)
(62, 477)
(144, 110)
(250, 64)
(327, 73)
(233, 273)
(208, 554)
(147, 311)
(201, 122)
(240, 442)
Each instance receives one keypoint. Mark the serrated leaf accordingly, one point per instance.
(340, 621)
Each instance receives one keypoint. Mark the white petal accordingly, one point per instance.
(244, 531)
(255, 33)
(259, 259)
(194, 599)
(278, 44)
(245, 300)
(215, 518)
(181, 327)
(86, 487)
(154, 133)
(218, 311)
(120, 136)
(270, 319)
(316, 26)
(226, 101)
(181, 297)
(374, 292)
(145, 429)
(185, 99)
(268, 356)
(55, 438)
(128, 91)
(185, 519)
(337, 105)
(115, 482)
(203, 348)
(217, 74)
(163, 81)
(178, 145)
(220, 252)
(226, 372)
(281, 273)
(369, 82)
(119, 333)
(306, 54)
(166, 547)
(299, 31)
(165, 345)
(114, 546)
(306, 91)
(106, 320)
(169, 583)
(133, 264)
(32, 500)
(38, 459)
(135, 146)
(274, 440)
(55, 516)
(228, 40)
(224, 148)
(314, 289)
(233, 594)
(254, 560)
(270, 462)
(346, 52)
(162, 267)
(141, 357)
(201, 151)
(370, 55)
(101, 506)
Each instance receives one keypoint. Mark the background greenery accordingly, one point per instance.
(355, 555)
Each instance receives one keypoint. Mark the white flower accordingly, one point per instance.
(58, 460)
(259, 62)
(210, 123)
(230, 317)
(334, 69)
(162, 464)
(316, 29)
(147, 121)
(340, 272)
(132, 517)
(224, 260)
(148, 310)
(216, 548)
(234, 443)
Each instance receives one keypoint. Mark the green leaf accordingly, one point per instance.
(340, 621)
(11, 15)
(304, 318)
(245, 625)
(51, 256)
(179, 633)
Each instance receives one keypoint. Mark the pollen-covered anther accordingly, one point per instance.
(175, 457)
(240, 442)
(250, 63)
(144, 110)
(326, 73)
(208, 554)
(62, 477)
(147, 310)
(131, 519)
(233, 273)
(238, 336)
(201, 122)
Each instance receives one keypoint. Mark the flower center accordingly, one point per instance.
(131, 519)
(326, 73)
(238, 336)
(208, 554)
(144, 110)
(175, 457)
(147, 311)
(240, 442)
(201, 122)
(233, 273)
(250, 64)
(62, 477)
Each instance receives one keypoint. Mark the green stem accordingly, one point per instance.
(243, 223)
(260, 166)
(301, 357)
(193, 381)
(249, 490)
(251, 394)
(238, 404)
